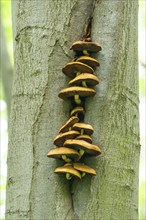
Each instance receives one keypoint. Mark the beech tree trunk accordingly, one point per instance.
(45, 31)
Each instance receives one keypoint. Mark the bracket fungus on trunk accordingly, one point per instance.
(74, 138)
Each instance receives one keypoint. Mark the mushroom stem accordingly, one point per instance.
(84, 83)
(83, 174)
(68, 176)
(78, 73)
(85, 52)
(77, 99)
(82, 131)
(81, 152)
(64, 157)
(70, 129)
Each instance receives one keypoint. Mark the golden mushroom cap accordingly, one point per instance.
(83, 45)
(88, 129)
(72, 68)
(90, 61)
(62, 137)
(57, 153)
(90, 79)
(68, 169)
(68, 124)
(82, 145)
(84, 168)
(76, 90)
(77, 110)
(84, 137)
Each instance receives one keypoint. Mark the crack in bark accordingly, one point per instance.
(75, 217)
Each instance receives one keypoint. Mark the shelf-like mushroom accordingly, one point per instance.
(84, 137)
(84, 169)
(85, 47)
(75, 68)
(68, 124)
(76, 92)
(83, 147)
(84, 128)
(64, 153)
(62, 137)
(69, 171)
(90, 61)
(77, 111)
(85, 80)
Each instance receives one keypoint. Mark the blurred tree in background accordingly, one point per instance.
(5, 95)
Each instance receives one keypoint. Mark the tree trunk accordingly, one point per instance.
(44, 33)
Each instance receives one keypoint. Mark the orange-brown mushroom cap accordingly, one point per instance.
(90, 61)
(84, 137)
(82, 145)
(68, 169)
(68, 124)
(72, 68)
(84, 168)
(76, 90)
(77, 110)
(89, 46)
(90, 79)
(62, 137)
(57, 153)
(88, 129)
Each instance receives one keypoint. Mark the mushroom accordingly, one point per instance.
(62, 137)
(83, 147)
(79, 110)
(84, 137)
(84, 79)
(64, 153)
(68, 124)
(69, 171)
(90, 61)
(83, 128)
(73, 69)
(76, 92)
(84, 169)
(85, 47)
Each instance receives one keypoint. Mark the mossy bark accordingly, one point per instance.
(44, 33)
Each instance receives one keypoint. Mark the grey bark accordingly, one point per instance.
(5, 69)
(44, 33)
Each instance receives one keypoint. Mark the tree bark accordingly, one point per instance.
(44, 33)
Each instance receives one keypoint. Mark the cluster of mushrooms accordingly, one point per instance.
(74, 139)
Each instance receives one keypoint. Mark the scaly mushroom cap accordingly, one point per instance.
(62, 137)
(68, 169)
(90, 79)
(82, 145)
(73, 67)
(63, 151)
(89, 61)
(82, 45)
(88, 129)
(68, 124)
(77, 110)
(84, 137)
(84, 168)
(76, 90)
